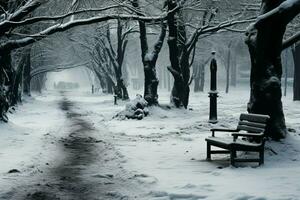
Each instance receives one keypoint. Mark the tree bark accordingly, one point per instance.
(296, 85)
(17, 81)
(149, 59)
(7, 75)
(117, 58)
(179, 58)
(264, 39)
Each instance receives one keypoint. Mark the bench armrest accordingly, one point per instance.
(256, 135)
(213, 130)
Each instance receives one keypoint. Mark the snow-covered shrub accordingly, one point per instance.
(135, 109)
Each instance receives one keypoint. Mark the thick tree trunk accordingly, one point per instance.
(179, 58)
(149, 59)
(296, 86)
(15, 95)
(103, 84)
(9, 74)
(124, 90)
(264, 39)
(109, 86)
(151, 84)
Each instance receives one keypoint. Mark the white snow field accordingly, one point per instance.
(161, 157)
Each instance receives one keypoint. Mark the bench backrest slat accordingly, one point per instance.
(253, 123)
(254, 118)
(250, 129)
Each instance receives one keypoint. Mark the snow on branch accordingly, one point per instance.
(14, 44)
(211, 29)
(55, 68)
(12, 23)
(19, 14)
(286, 11)
(24, 10)
(290, 41)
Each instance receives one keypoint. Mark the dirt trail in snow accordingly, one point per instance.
(79, 148)
(91, 168)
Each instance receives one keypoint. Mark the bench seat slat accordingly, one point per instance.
(228, 141)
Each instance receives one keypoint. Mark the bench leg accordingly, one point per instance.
(261, 157)
(208, 154)
(232, 156)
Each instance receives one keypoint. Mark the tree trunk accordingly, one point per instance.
(233, 77)
(264, 40)
(285, 72)
(7, 75)
(125, 95)
(103, 84)
(37, 83)
(151, 84)
(228, 70)
(26, 73)
(296, 86)
(17, 82)
(149, 60)
(202, 77)
(199, 77)
(117, 59)
(196, 77)
(179, 58)
(109, 85)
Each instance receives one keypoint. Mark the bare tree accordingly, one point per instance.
(149, 59)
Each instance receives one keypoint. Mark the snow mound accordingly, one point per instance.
(135, 109)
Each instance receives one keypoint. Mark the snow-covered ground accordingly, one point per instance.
(161, 157)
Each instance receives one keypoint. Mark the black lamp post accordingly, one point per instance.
(213, 93)
(115, 99)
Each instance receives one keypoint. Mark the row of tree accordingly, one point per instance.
(184, 22)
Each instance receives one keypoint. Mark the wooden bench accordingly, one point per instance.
(251, 127)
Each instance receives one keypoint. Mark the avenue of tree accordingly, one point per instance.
(105, 29)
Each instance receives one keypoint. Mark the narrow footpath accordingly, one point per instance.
(86, 165)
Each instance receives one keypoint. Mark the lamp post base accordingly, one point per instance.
(213, 95)
(213, 121)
